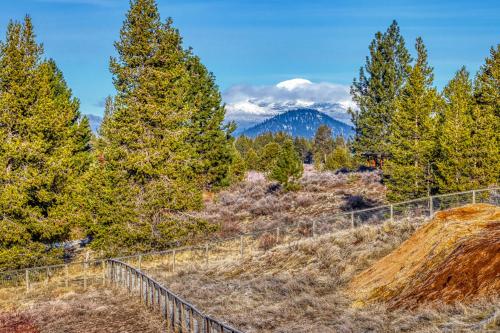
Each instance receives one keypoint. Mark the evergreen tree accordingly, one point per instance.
(44, 150)
(288, 167)
(376, 90)
(486, 119)
(252, 160)
(454, 161)
(268, 156)
(262, 140)
(339, 158)
(238, 168)
(303, 147)
(209, 136)
(243, 144)
(147, 146)
(323, 145)
(412, 143)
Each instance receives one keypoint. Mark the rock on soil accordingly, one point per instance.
(455, 257)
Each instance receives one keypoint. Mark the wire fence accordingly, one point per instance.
(179, 315)
(91, 273)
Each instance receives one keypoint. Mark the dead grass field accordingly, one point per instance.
(93, 311)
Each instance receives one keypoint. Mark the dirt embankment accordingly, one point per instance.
(455, 257)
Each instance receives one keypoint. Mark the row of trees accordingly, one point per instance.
(161, 144)
(324, 150)
(435, 142)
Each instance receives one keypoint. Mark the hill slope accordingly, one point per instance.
(455, 257)
(300, 122)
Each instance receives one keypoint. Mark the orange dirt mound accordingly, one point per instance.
(454, 257)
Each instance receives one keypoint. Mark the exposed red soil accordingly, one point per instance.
(471, 270)
(455, 257)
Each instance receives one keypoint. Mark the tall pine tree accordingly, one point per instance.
(210, 138)
(163, 139)
(486, 118)
(44, 151)
(409, 169)
(376, 90)
(454, 136)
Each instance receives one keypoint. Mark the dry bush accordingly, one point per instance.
(256, 204)
(17, 323)
(267, 241)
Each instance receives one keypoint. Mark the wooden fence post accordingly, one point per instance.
(27, 280)
(431, 206)
(140, 261)
(314, 228)
(103, 265)
(173, 261)
(174, 314)
(277, 234)
(47, 273)
(66, 275)
(85, 271)
(179, 315)
(241, 246)
(165, 309)
(392, 213)
(473, 196)
(206, 255)
(191, 321)
(353, 223)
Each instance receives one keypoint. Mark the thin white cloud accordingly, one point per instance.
(247, 103)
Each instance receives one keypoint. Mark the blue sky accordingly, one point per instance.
(260, 43)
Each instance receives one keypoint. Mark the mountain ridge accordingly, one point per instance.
(299, 122)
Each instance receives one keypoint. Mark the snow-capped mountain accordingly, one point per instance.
(251, 105)
(299, 122)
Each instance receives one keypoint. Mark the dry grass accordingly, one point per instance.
(302, 287)
(258, 204)
(92, 311)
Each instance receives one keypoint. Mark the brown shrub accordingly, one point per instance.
(267, 241)
(17, 323)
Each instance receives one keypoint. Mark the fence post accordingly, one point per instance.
(431, 206)
(174, 314)
(206, 255)
(103, 264)
(353, 224)
(392, 213)
(191, 321)
(85, 271)
(66, 275)
(27, 280)
(277, 234)
(47, 276)
(142, 287)
(129, 280)
(140, 261)
(165, 309)
(473, 196)
(314, 228)
(173, 261)
(241, 246)
(179, 316)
